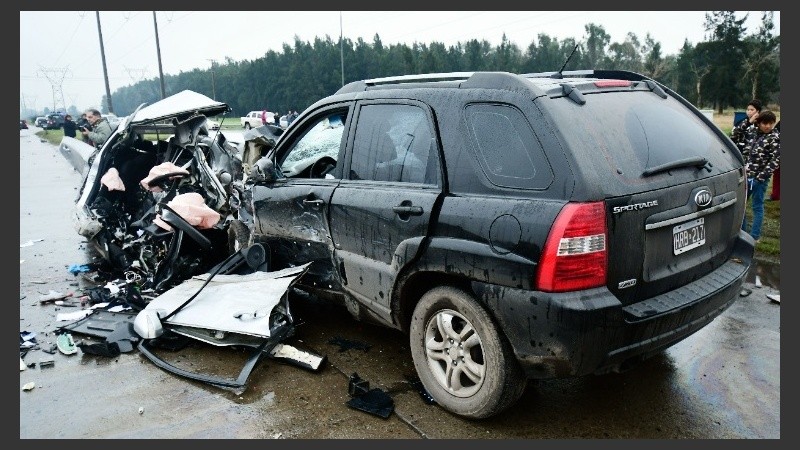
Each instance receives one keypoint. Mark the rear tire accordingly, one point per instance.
(462, 359)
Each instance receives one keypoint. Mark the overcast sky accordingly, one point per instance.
(62, 48)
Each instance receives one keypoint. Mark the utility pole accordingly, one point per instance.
(103, 56)
(158, 51)
(213, 83)
(24, 109)
(341, 45)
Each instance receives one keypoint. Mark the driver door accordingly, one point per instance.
(290, 213)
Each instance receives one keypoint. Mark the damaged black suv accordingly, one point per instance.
(516, 226)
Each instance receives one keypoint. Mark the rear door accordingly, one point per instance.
(381, 211)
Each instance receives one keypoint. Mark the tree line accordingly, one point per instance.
(727, 69)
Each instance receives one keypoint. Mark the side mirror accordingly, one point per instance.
(263, 171)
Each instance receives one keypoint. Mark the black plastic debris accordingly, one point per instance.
(357, 386)
(46, 362)
(170, 341)
(346, 344)
(104, 324)
(51, 349)
(375, 401)
(108, 349)
(27, 340)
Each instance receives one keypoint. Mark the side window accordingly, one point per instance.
(508, 151)
(314, 154)
(394, 143)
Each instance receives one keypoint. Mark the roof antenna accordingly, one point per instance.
(558, 74)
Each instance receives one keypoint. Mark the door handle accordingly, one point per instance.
(408, 210)
(316, 202)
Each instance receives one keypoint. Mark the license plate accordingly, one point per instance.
(688, 235)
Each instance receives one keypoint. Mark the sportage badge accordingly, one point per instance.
(702, 198)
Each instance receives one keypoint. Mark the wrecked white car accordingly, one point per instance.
(159, 203)
(158, 196)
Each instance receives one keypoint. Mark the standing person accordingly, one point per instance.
(775, 195)
(743, 132)
(100, 131)
(263, 117)
(84, 123)
(762, 157)
(69, 126)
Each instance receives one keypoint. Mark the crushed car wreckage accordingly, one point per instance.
(159, 204)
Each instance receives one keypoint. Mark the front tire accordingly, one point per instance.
(247, 125)
(461, 357)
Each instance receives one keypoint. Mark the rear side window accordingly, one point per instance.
(509, 153)
(394, 143)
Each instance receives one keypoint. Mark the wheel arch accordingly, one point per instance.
(413, 284)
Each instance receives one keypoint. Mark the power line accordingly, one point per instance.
(69, 42)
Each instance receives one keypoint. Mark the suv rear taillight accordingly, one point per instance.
(575, 255)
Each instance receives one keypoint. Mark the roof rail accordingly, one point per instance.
(600, 73)
(420, 77)
(573, 73)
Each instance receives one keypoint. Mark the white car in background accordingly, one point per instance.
(112, 119)
(253, 119)
(284, 121)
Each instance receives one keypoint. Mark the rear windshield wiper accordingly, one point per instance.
(695, 161)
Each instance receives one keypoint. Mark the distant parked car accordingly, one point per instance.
(284, 121)
(23, 125)
(40, 121)
(112, 119)
(54, 121)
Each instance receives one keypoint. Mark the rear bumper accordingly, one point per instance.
(578, 333)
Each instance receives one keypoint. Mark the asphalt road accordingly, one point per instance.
(722, 382)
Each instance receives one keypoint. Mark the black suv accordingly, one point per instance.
(516, 226)
(54, 122)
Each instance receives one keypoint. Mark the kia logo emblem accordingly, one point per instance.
(702, 198)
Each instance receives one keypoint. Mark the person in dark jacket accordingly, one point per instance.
(83, 122)
(775, 195)
(745, 130)
(70, 127)
(762, 157)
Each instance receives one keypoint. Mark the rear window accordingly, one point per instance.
(628, 133)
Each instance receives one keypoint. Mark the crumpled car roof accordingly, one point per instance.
(183, 102)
